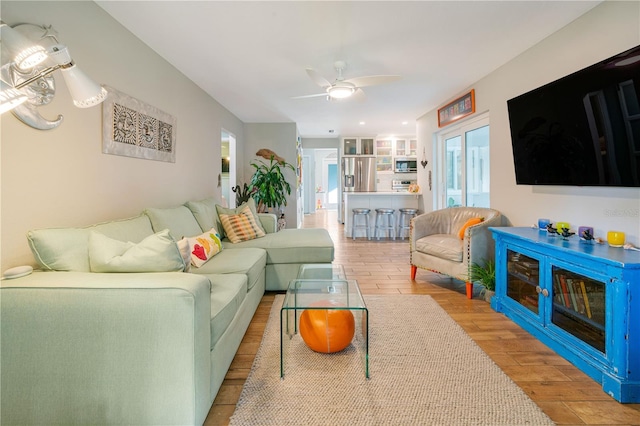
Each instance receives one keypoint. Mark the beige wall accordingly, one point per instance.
(280, 138)
(60, 177)
(608, 29)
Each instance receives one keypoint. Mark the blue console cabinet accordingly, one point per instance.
(580, 299)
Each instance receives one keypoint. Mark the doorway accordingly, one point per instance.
(228, 172)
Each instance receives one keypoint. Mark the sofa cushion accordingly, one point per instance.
(67, 249)
(156, 253)
(293, 246)
(227, 293)
(445, 246)
(206, 214)
(242, 226)
(178, 220)
(204, 246)
(250, 262)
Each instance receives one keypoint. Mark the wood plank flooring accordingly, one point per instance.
(565, 394)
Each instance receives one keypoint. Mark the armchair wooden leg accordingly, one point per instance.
(469, 290)
(414, 269)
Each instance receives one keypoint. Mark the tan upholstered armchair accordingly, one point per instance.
(435, 243)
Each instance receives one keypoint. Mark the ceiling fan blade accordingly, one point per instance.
(373, 80)
(359, 95)
(309, 96)
(317, 78)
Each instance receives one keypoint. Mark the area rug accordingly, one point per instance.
(424, 370)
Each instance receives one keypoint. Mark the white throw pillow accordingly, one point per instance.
(156, 253)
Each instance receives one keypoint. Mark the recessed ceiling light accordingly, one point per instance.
(362, 123)
(404, 123)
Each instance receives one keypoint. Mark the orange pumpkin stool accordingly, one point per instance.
(327, 330)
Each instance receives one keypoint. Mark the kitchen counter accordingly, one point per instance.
(374, 200)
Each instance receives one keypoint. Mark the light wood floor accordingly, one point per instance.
(565, 394)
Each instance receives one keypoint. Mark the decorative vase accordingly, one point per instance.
(282, 222)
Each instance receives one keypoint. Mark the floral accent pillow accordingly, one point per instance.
(204, 247)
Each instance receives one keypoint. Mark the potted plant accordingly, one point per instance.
(268, 184)
(486, 275)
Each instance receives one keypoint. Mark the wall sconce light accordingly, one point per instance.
(30, 54)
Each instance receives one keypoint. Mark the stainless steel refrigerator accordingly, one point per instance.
(358, 175)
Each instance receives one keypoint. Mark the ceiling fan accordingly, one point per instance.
(342, 88)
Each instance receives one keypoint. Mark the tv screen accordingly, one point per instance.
(583, 129)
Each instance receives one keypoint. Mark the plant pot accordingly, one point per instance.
(488, 294)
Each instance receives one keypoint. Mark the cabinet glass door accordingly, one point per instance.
(366, 146)
(579, 306)
(523, 280)
(350, 146)
(383, 156)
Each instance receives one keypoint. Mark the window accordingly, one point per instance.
(464, 154)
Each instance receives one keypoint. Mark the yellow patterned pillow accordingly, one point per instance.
(242, 226)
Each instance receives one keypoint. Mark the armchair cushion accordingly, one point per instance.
(445, 246)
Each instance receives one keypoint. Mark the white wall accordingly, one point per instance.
(60, 177)
(280, 138)
(608, 29)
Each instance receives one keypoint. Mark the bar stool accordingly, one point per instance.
(385, 222)
(355, 213)
(404, 224)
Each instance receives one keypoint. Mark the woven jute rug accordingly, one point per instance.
(424, 370)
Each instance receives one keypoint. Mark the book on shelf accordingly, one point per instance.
(558, 297)
(572, 293)
(577, 290)
(587, 306)
(565, 291)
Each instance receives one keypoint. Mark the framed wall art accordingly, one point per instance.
(463, 106)
(133, 128)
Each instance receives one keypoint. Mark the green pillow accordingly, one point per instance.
(205, 213)
(156, 253)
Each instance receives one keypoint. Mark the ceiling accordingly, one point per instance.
(251, 56)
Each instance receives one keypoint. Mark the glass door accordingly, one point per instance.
(464, 151)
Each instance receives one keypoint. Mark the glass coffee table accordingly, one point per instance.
(323, 286)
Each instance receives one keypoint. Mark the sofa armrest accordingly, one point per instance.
(87, 348)
(269, 222)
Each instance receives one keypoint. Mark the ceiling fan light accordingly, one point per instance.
(340, 92)
(23, 52)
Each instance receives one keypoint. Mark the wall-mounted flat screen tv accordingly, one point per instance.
(583, 129)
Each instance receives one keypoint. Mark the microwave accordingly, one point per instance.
(405, 164)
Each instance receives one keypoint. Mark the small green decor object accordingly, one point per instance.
(268, 184)
(484, 274)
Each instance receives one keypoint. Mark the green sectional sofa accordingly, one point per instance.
(80, 347)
